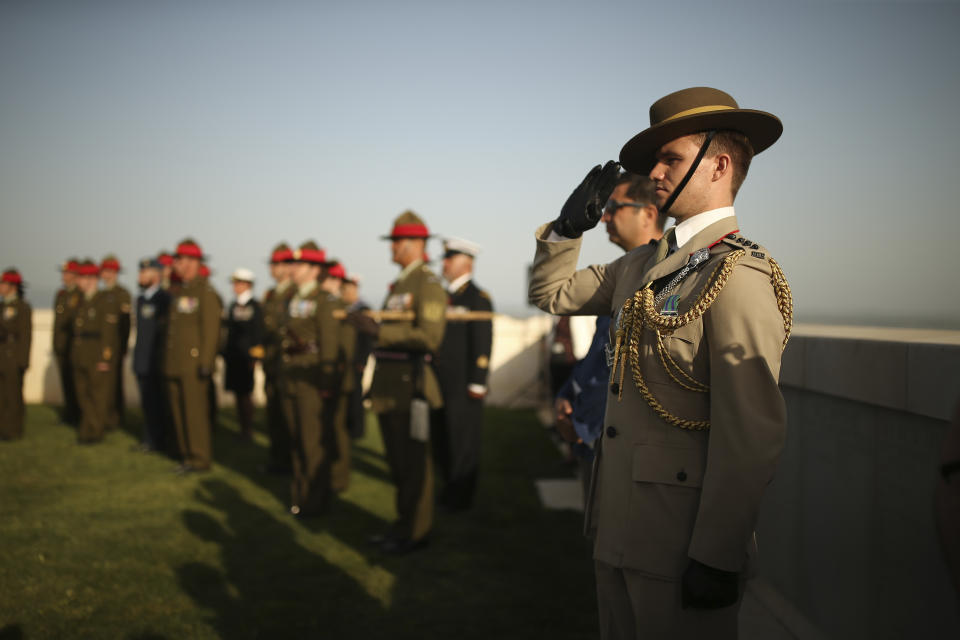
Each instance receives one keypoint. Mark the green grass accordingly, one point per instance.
(102, 542)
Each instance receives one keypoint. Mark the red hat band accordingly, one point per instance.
(281, 256)
(315, 256)
(337, 271)
(12, 277)
(88, 270)
(410, 231)
(189, 251)
(110, 264)
(165, 259)
(73, 267)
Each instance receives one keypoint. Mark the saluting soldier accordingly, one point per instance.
(463, 364)
(310, 379)
(153, 306)
(94, 354)
(64, 307)
(244, 344)
(16, 332)
(695, 420)
(405, 387)
(193, 334)
(275, 303)
(337, 438)
(119, 302)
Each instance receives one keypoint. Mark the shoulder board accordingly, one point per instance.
(484, 294)
(752, 249)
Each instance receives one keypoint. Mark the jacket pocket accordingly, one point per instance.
(668, 465)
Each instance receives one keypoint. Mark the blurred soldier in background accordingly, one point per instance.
(363, 346)
(310, 379)
(64, 307)
(337, 442)
(94, 355)
(275, 303)
(153, 305)
(404, 385)
(244, 345)
(16, 331)
(118, 302)
(166, 273)
(462, 364)
(213, 406)
(193, 333)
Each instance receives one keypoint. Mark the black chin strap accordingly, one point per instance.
(693, 167)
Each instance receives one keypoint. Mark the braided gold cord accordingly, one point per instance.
(639, 312)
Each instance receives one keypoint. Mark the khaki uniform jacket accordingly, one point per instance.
(663, 494)
(95, 335)
(274, 317)
(16, 332)
(193, 329)
(119, 304)
(348, 349)
(402, 345)
(311, 341)
(64, 307)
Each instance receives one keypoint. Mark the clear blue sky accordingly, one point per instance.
(125, 126)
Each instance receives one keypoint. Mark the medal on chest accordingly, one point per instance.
(187, 304)
(399, 302)
(242, 314)
(9, 313)
(302, 308)
(147, 311)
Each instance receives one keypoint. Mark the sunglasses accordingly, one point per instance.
(613, 206)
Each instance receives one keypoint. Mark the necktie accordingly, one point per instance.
(667, 245)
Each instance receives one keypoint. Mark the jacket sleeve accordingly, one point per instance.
(328, 344)
(124, 321)
(425, 333)
(745, 334)
(210, 313)
(26, 336)
(480, 342)
(557, 287)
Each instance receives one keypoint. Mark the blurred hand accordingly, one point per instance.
(564, 424)
(103, 366)
(584, 208)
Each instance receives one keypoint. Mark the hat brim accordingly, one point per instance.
(761, 128)
(392, 237)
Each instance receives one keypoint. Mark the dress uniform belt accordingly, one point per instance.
(402, 356)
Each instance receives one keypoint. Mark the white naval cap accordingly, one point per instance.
(242, 275)
(459, 245)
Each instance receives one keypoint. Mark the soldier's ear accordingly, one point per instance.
(722, 166)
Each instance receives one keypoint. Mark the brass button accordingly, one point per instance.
(194, 353)
(682, 476)
(611, 431)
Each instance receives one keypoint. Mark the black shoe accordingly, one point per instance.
(403, 546)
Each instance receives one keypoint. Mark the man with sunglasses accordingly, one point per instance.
(695, 420)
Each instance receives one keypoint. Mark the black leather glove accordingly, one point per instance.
(204, 373)
(704, 587)
(363, 323)
(583, 209)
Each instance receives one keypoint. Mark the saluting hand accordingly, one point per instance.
(584, 208)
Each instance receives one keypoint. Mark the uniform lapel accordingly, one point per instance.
(720, 228)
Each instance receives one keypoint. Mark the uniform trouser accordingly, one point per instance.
(635, 605)
(277, 425)
(152, 399)
(191, 418)
(356, 414)
(337, 442)
(412, 471)
(457, 431)
(71, 409)
(304, 411)
(94, 391)
(11, 403)
(116, 405)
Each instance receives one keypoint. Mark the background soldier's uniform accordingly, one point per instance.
(64, 308)
(118, 302)
(338, 441)
(403, 373)
(193, 333)
(95, 341)
(16, 327)
(310, 380)
(463, 360)
(362, 347)
(244, 329)
(148, 356)
(275, 303)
